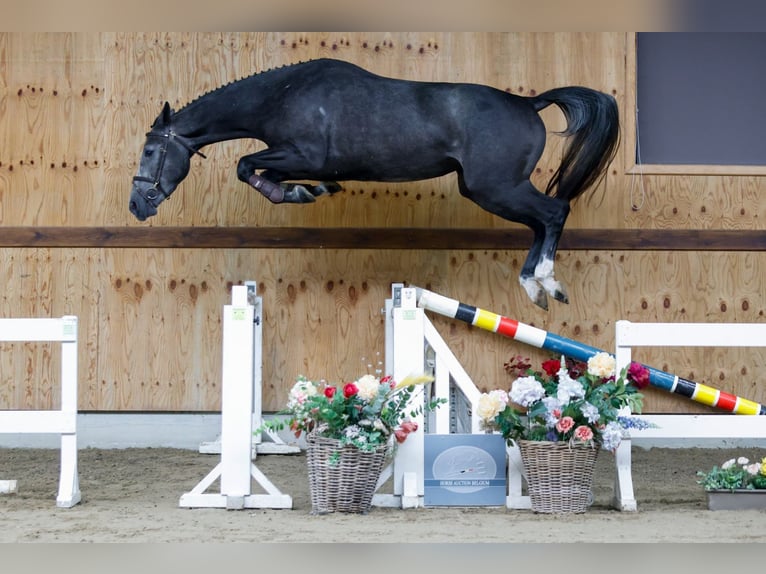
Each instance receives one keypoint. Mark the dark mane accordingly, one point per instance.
(216, 91)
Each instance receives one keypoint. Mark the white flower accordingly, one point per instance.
(491, 404)
(601, 365)
(590, 412)
(552, 411)
(526, 390)
(368, 387)
(728, 464)
(742, 461)
(753, 469)
(568, 388)
(300, 392)
(352, 432)
(611, 436)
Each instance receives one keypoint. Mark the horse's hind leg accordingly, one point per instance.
(537, 276)
(527, 275)
(550, 214)
(545, 216)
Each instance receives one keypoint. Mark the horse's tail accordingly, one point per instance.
(593, 123)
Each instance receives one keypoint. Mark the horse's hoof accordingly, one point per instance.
(330, 187)
(302, 195)
(560, 295)
(534, 291)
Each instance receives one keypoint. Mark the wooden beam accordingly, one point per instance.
(377, 238)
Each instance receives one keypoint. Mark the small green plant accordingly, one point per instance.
(735, 474)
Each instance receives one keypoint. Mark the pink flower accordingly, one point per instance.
(583, 433)
(404, 429)
(409, 426)
(329, 392)
(349, 390)
(565, 424)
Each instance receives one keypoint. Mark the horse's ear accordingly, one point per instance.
(167, 112)
(163, 120)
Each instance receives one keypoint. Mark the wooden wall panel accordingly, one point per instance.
(52, 136)
(150, 321)
(74, 108)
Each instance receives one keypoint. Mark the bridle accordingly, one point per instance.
(151, 194)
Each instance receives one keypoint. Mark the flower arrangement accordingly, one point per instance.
(735, 474)
(364, 413)
(567, 401)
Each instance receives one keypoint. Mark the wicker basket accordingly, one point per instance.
(346, 484)
(559, 475)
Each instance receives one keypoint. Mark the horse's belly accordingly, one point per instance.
(383, 167)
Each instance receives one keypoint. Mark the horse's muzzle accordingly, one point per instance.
(139, 207)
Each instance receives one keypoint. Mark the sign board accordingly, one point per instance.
(464, 470)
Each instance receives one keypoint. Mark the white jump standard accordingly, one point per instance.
(236, 470)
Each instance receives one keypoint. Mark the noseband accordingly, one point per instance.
(151, 194)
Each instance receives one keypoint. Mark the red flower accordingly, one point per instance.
(639, 375)
(349, 390)
(551, 367)
(329, 392)
(517, 366)
(389, 380)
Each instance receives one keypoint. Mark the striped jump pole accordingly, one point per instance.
(541, 339)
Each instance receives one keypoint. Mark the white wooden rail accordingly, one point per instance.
(62, 421)
(717, 425)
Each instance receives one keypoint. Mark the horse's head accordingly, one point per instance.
(164, 163)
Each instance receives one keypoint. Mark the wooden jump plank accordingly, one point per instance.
(377, 238)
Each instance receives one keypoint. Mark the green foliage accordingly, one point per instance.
(366, 413)
(735, 474)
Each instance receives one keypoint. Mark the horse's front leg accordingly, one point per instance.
(278, 166)
(291, 192)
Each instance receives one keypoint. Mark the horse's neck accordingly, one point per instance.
(212, 118)
(203, 127)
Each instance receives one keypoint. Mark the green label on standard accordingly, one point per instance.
(238, 314)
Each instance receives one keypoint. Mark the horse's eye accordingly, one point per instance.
(148, 152)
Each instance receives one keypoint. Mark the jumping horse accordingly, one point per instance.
(327, 121)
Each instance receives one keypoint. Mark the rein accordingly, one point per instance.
(151, 194)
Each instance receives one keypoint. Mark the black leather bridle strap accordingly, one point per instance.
(150, 195)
